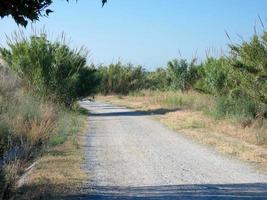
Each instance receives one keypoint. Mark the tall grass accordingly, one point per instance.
(28, 125)
(177, 99)
(68, 125)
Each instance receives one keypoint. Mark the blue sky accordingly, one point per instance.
(149, 32)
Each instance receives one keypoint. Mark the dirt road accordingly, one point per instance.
(129, 155)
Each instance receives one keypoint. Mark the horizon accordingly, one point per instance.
(149, 33)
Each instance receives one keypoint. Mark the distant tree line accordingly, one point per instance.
(238, 81)
(54, 70)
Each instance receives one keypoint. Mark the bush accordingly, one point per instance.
(157, 80)
(51, 69)
(241, 107)
(121, 79)
(249, 62)
(215, 77)
(28, 125)
(181, 74)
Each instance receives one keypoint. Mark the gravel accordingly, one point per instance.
(128, 153)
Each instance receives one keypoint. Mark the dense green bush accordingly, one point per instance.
(181, 74)
(239, 80)
(157, 80)
(249, 61)
(121, 79)
(51, 69)
(215, 76)
(235, 107)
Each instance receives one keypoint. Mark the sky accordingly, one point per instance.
(149, 32)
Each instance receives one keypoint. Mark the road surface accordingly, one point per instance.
(129, 155)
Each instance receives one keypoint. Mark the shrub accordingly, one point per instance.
(235, 107)
(28, 125)
(51, 69)
(121, 79)
(249, 62)
(215, 77)
(157, 80)
(181, 74)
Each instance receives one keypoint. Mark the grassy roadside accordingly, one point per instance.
(191, 114)
(58, 171)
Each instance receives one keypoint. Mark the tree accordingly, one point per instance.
(23, 11)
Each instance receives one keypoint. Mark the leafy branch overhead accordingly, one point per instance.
(23, 11)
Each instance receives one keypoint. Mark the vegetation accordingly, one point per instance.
(238, 81)
(28, 126)
(51, 69)
(58, 172)
(120, 79)
(43, 80)
(24, 11)
(219, 102)
(39, 87)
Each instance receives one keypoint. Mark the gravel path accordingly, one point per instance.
(131, 156)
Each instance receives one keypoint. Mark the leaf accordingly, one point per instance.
(103, 2)
(47, 11)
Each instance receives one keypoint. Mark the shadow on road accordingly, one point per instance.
(251, 191)
(160, 111)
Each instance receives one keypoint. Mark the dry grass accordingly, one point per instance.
(38, 128)
(31, 128)
(228, 136)
(57, 173)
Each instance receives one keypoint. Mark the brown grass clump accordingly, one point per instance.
(58, 173)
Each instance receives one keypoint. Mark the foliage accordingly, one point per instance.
(238, 81)
(24, 11)
(157, 80)
(181, 74)
(28, 125)
(249, 61)
(51, 69)
(215, 76)
(121, 79)
(234, 107)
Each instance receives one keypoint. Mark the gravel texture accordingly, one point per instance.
(129, 155)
